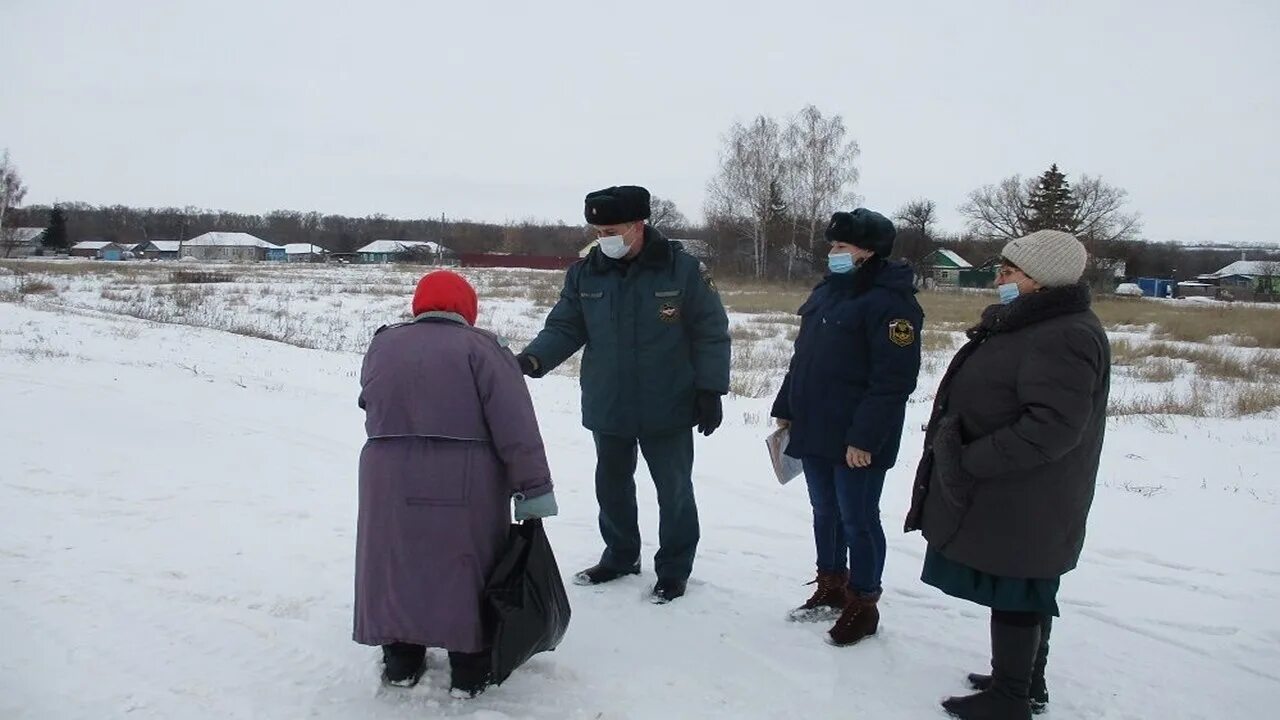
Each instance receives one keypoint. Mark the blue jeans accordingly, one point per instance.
(846, 521)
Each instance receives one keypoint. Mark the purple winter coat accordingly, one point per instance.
(452, 436)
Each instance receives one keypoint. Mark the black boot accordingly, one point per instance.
(1013, 656)
(1039, 689)
(599, 574)
(666, 590)
(403, 664)
(469, 673)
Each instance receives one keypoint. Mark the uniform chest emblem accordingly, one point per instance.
(901, 332)
(669, 313)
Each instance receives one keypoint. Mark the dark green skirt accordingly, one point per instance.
(1037, 595)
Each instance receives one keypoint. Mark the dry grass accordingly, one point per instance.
(1210, 362)
(197, 277)
(132, 272)
(748, 332)
(1202, 398)
(1193, 322)
(1157, 369)
(1195, 401)
(254, 331)
(939, 341)
(1254, 398)
(749, 297)
(953, 309)
(30, 285)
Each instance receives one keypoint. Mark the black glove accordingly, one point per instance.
(528, 364)
(710, 413)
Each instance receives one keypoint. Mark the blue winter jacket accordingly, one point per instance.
(856, 361)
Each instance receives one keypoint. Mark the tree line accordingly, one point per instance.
(776, 184)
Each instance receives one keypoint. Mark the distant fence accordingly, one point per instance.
(534, 262)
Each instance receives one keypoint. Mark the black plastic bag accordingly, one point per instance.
(526, 605)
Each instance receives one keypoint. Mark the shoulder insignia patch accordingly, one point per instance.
(901, 332)
(705, 272)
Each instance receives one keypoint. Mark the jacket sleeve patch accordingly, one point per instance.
(705, 272)
(901, 332)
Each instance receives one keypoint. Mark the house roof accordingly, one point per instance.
(952, 257)
(399, 246)
(1250, 268)
(27, 235)
(230, 239)
(158, 245)
(304, 249)
(92, 245)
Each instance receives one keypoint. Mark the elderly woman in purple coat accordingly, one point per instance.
(452, 440)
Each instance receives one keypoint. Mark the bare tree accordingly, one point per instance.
(999, 212)
(1267, 284)
(11, 193)
(664, 215)
(917, 225)
(752, 163)
(822, 171)
(1098, 216)
(920, 215)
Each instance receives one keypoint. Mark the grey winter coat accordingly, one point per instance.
(451, 437)
(1012, 449)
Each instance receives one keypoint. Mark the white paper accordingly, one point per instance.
(784, 467)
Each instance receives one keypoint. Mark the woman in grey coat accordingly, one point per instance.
(1010, 462)
(452, 440)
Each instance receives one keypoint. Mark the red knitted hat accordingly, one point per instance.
(445, 291)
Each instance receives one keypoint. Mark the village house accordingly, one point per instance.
(305, 253)
(385, 251)
(99, 250)
(944, 266)
(157, 249)
(231, 247)
(1246, 280)
(20, 242)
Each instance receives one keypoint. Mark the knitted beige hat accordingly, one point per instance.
(1050, 257)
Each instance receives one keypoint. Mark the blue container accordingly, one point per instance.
(1156, 287)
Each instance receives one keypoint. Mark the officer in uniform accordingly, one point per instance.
(655, 365)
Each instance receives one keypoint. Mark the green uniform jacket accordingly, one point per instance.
(655, 332)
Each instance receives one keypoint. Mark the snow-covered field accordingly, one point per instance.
(177, 510)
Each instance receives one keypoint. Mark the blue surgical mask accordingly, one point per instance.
(840, 263)
(1008, 292)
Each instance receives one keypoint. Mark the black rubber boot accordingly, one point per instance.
(1039, 688)
(1013, 657)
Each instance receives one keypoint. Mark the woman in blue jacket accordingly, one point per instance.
(856, 361)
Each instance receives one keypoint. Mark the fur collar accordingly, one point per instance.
(1030, 309)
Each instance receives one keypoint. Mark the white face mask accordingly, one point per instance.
(614, 246)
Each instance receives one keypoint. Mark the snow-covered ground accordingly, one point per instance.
(177, 510)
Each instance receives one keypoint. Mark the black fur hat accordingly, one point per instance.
(617, 205)
(864, 228)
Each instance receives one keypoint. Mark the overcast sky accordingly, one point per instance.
(509, 110)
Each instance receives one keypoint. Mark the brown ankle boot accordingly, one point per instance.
(860, 619)
(828, 600)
